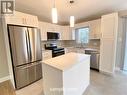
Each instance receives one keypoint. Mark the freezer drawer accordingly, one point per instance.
(28, 74)
(38, 71)
(22, 76)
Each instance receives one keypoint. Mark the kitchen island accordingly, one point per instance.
(67, 74)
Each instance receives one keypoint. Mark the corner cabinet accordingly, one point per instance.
(23, 19)
(109, 29)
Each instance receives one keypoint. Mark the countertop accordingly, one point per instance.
(66, 61)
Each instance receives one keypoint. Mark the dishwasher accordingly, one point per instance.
(94, 59)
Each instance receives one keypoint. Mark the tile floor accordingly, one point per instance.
(100, 84)
(107, 85)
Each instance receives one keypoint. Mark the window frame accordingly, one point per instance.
(77, 39)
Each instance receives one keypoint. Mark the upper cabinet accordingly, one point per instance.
(64, 31)
(109, 25)
(95, 29)
(94, 26)
(19, 18)
(48, 27)
(43, 29)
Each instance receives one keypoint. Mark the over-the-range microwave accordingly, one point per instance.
(53, 36)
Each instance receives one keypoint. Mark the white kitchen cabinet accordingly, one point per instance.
(43, 30)
(46, 54)
(107, 55)
(94, 26)
(95, 29)
(66, 33)
(109, 29)
(48, 27)
(22, 19)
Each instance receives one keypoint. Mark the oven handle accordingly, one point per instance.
(58, 51)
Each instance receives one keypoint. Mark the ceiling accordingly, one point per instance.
(82, 9)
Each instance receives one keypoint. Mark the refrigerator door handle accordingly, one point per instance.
(28, 45)
(30, 51)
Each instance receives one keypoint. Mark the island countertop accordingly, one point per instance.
(66, 61)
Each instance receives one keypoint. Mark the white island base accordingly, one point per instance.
(68, 74)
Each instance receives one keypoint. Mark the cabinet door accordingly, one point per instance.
(66, 33)
(23, 19)
(98, 29)
(107, 55)
(109, 24)
(16, 19)
(31, 20)
(95, 29)
(43, 30)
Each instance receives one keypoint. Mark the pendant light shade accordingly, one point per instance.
(72, 21)
(54, 15)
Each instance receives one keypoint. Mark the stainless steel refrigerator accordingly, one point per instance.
(26, 54)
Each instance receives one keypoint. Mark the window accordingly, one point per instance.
(82, 35)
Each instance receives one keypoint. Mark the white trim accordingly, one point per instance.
(4, 79)
(106, 72)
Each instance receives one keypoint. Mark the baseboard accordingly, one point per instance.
(106, 73)
(4, 79)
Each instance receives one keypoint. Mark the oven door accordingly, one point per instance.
(58, 53)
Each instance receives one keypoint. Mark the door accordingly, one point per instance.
(34, 44)
(19, 45)
(107, 55)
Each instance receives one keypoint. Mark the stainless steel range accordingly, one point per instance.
(25, 47)
(55, 50)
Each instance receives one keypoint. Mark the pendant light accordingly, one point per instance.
(54, 14)
(72, 21)
(72, 18)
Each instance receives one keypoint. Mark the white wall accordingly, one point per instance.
(4, 72)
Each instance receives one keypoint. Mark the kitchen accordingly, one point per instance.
(97, 37)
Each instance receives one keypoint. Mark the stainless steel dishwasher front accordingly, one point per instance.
(94, 59)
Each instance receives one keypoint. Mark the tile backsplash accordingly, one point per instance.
(95, 43)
